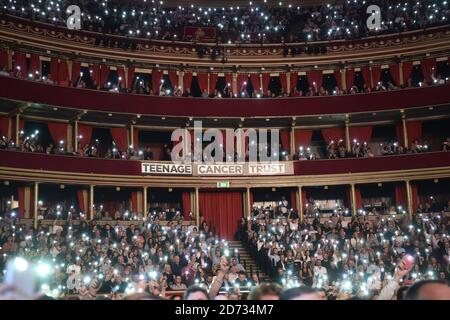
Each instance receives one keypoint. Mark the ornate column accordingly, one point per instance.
(347, 134)
(405, 129)
(91, 202)
(353, 199)
(197, 208)
(144, 200)
(248, 204)
(409, 199)
(36, 203)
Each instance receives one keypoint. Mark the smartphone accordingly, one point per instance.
(21, 275)
(408, 261)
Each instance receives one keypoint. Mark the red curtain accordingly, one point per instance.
(349, 78)
(121, 75)
(35, 64)
(358, 198)
(223, 210)
(156, 80)
(202, 78)
(256, 81)
(376, 75)
(120, 137)
(294, 199)
(304, 199)
(338, 77)
(130, 77)
(395, 72)
(401, 198)
(399, 131)
(365, 71)
(187, 80)
(285, 138)
(361, 134)
(173, 76)
(81, 201)
(58, 131)
(414, 129)
(265, 81)
(314, 76)
(302, 138)
(4, 126)
(407, 69)
(242, 77)
(14, 129)
(54, 70)
(94, 70)
(294, 80)
(283, 82)
(415, 196)
(134, 201)
(86, 132)
(186, 204)
(213, 81)
(20, 60)
(428, 68)
(333, 134)
(229, 80)
(63, 73)
(21, 199)
(4, 58)
(76, 69)
(135, 138)
(104, 74)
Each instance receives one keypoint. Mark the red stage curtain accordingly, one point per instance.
(242, 77)
(58, 131)
(222, 210)
(285, 138)
(302, 138)
(76, 69)
(173, 76)
(20, 60)
(407, 69)
(395, 72)
(94, 70)
(293, 199)
(213, 81)
(333, 134)
(361, 134)
(349, 78)
(81, 203)
(229, 80)
(86, 132)
(315, 76)
(135, 139)
(63, 73)
(428, 68)
(156, 80)
(256, 81)
(401, 198)
(358, 198)
(121, 74)
(130, 78)
(283, 82)
(338, 77)
(187, 80)
(186, 204)
(365, 71)
(134, 201)
(376, 75)
(54, 70)
(415, 196)
(21, 199)
(265, 81)
(104, 74)
(294, 80)
(35, 64)
(4, 58)
(120, 137)
(4, 125)
(202, 78)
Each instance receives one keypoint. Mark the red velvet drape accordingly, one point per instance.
(294, 80)
(35, 64)
(135, 138)
(395, 72)
(54, 69)
(157, 76)
(365, 71)
(265, 80)
(302, 138)
(285, 138)
(63, 73)
(428, 68)
(212, 81)
(293, 202)
(121, 74)
(407, 69)
(76, 67)
(81, 202)
(130, 77)
(358, 198)
(186, 204)
(202, 78)
(338, 77)
(223, 210)
(361, 134)
(21, 200)
(241, 79)
(173, 76)
(4, 58)
(94, 70)
(333, 134)
(304, 199)
(20, 61)
(58, 131)
(376, 75)
(315, 78)
(104, 74)
(120, 137)
(401, 198)
(283, 82)
(4, 125)
(134, 201)
(414, 131)
(86, 132)
(349, 78)
(229, 80)
(256, 81)
(415, 196)
(187, 80)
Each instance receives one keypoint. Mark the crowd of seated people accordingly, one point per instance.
(356, 258)
(246, 24)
